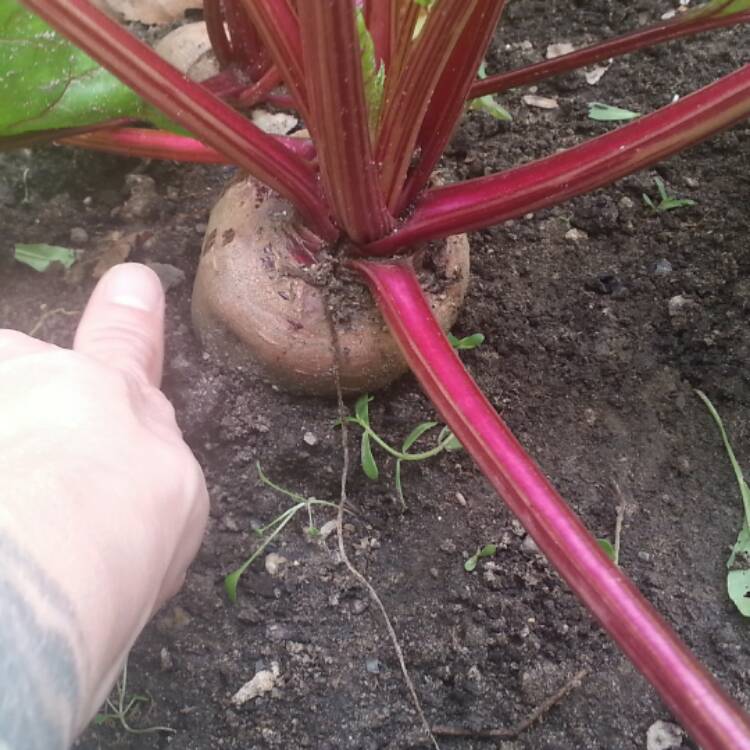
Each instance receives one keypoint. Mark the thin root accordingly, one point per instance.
(340, 534)
(49, 314)
(511, 732)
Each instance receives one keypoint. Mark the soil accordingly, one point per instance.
(586, 358)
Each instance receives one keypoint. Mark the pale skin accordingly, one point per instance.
(102, 508)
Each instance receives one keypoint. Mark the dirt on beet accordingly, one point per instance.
(600, 318)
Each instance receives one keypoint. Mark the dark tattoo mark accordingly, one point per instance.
(39, 681)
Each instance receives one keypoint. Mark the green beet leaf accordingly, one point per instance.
(47, 83)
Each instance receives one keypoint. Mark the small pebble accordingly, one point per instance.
(664, 735)
(79, 236)
(169, 275)
(644, 556)
(677, 304)
(556, 50)
(540, 102)
(448, 546)
(310, 438)
(662, 267)
(201, 228)
(274, 563)
(576, 235)
(359, 606)
(166, 660)
(529, 545)
(461, 499)
(373, 666)
(263, 682)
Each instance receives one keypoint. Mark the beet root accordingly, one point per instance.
(257, 304)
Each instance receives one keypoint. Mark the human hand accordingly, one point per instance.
(103, 504)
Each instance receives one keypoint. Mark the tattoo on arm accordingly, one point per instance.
(40, 684)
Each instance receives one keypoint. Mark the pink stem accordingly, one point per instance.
(334, 81)
(693, 22)
(213, 15)
(714, 720)
(449, 100)
(189, 104)
(161, 144)
(485, 201)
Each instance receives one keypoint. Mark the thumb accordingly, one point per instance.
(123, 324)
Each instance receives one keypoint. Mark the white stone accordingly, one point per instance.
(274, 563)
(263, 682)
(540, 102)
(559, 49)
(663, 735)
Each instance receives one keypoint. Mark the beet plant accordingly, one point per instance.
(380, 86)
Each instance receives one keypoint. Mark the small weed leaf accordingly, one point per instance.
(738, 588)
(362, 408)
(452, 443)
(738, 578)
(667, 203)
(607, 113)
(40, 256)
(368, 460)
(488, 103)
(417, 433)
(488, 550)
(608, 549)
(467, 342)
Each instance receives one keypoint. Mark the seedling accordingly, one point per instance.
(446, 441)
(271, 530)
(489, 550)
(608, 113)
(364, 194)
(666, 202)
(467, 342)
(738, 578)
(609, 550)
(119, 707)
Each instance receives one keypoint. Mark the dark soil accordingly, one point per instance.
(583, 359)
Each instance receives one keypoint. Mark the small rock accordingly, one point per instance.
(79, 236)
(461, 499)
(540, 102)
(644, 556)
(529, 545)
(263, 682)
(328, 528)
(277, 123)
(559, 49)
(678, 304)
(576, 235)
(169, 275)
(359, 606)
(274, 563)
(662, 267)
(663, 735)
(229, 523)
(143, 201)
(435, 573)
(166, 660)
(594, 74)
(448, 546)
(310, 438)
(201, 227)
(373, 666)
